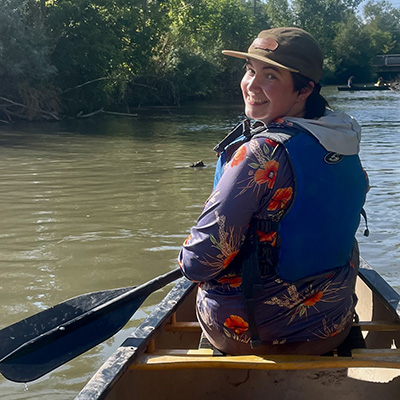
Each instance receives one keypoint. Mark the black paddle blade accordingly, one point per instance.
(45, 321)
(48, 351)
(35, 346)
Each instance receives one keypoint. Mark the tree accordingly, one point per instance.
(187, 62)
(25, 68)
(108, 43)
(118, 54)
(322, 18)
(383, 26)
(353, 53)
(279, 13)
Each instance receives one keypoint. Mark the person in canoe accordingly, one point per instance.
(274, 249)
(350, 81)
(381, 82)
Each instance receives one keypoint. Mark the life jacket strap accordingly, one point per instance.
(364, 215)
(242, 129)
(251, 281)
(268, 255)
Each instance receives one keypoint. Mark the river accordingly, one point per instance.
(106, 202)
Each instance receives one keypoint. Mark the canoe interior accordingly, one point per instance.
(148, 364)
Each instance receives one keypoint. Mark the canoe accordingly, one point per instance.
(361, 88)
(161, 359)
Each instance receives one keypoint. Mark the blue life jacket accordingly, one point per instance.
(316, 234)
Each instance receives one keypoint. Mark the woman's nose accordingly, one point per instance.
(253, 84)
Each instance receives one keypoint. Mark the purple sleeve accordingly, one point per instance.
(249, 180)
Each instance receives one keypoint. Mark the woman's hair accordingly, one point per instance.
(316, 104)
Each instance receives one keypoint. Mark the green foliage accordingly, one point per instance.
(322, 18)
(349, 42)
(119, 54)
(24, 62)
(24, 48)
(279, 13)
(349, 48)
(187, 63)
(101, 41)
(383, 26)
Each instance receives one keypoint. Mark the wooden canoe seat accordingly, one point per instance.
(203, 358)
(350, 354)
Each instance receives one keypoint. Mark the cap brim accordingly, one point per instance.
(246, 56)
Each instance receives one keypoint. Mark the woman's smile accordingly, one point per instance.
(254, 100)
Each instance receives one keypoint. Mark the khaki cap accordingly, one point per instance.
(289, 48)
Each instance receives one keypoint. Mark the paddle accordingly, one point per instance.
(38, 344)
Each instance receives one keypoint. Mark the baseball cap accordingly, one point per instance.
(289, 48)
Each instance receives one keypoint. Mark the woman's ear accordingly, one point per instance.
(304, 92)
(307, 90)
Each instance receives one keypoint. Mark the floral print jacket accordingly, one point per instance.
(258, 181)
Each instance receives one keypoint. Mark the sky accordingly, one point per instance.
(395, 3)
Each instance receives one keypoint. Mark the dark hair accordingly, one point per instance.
(316, 104)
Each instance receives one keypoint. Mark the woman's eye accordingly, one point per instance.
(250, 71)
(270, 76)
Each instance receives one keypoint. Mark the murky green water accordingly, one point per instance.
(102, 203)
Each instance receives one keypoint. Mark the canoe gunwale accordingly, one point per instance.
(380, 288)
(135, 344)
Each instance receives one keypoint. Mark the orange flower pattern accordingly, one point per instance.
(239, 156)
(237, 324)
(258, 181)
(298, 304)
(311, 301)
(263, 167)
(280, 199)
(226, 242)
(232, 280)
(267, 174)
(269, 237)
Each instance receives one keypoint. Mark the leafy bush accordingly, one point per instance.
(25, 69)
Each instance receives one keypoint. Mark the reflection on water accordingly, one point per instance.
(106, 202)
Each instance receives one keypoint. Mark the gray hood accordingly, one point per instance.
(336, 131)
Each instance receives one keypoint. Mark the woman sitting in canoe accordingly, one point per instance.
(274, 249)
